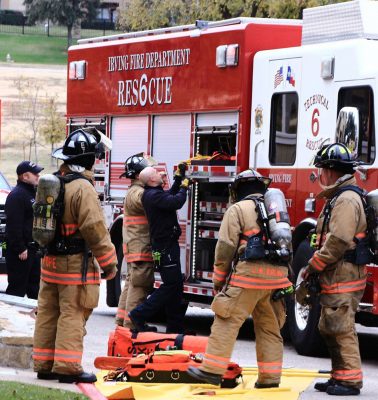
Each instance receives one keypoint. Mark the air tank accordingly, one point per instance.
(279, 222)
(44, 221)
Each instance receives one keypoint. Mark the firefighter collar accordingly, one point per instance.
(329, 191)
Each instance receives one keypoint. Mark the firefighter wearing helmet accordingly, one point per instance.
(136, 244)
(70, 273)
(340, 233)
(246, 289)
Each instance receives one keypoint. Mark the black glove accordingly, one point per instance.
(180, 171)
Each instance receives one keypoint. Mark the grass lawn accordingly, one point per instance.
(33, 49)
(19, 391)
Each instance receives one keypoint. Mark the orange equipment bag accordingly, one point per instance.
(125, 343)
(170, 367)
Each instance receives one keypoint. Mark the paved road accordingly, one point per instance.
(102, 322)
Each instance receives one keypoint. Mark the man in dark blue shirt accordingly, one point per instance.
(22, 263)
(161, 207)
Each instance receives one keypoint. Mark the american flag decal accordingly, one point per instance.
(278, 78)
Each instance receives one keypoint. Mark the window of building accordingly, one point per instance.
(362, 98)
(284, 125)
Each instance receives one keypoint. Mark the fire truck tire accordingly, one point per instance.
(303, 321)
(113, 287)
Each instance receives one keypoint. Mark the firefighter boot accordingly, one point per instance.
(141, 326)
(207, 377)
(266, 385)
(47, 376)
(323, 386)
(338, 389)
(84, 377)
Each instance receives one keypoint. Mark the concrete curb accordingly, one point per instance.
(17, 320)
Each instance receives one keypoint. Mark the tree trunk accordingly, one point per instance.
(69, 36)
(255, 7)
(52, 150)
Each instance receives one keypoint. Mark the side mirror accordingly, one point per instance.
(348, 129)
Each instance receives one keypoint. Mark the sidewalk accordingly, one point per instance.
(16, 339)
(29, 377)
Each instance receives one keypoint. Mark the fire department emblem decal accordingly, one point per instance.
(258, 119)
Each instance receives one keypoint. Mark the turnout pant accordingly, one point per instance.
(337, 327)
(169, 294)
(232, 307)
(138, 285)
(63, 311)
(23, 276)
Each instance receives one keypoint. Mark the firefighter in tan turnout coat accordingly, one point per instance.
(341, 225)
(245, 290)
(136, 245)
(70, 273)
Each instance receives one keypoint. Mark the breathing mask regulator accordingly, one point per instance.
(307, 292)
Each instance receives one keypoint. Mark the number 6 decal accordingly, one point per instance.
(315, 122)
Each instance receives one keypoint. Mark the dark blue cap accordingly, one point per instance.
(28, 166)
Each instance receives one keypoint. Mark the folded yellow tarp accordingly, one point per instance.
(293, 382)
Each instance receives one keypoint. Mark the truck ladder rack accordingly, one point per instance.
(199, 25)
(182, 28)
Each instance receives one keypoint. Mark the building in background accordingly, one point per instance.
(108, 11)
(17, 5)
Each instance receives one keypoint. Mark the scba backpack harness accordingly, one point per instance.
(365, 250)
(261, 245)
(48, 212)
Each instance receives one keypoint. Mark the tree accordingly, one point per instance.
(53, 124)
(65, 12)
(137, 14)
(28, 90)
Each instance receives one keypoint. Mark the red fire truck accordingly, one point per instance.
(243, 92)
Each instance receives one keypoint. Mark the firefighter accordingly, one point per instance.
(160, 207)
(245, 289)
(70, 273)
(136, 244)
(341, 225)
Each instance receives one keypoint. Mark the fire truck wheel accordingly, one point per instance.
(303, 321)
(113, 287)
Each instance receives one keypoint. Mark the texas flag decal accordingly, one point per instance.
(290, 76)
